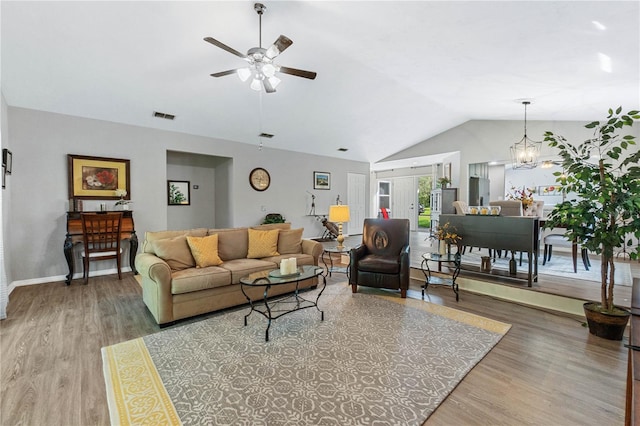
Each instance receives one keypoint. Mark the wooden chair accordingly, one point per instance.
(559, 240)
(101, 234)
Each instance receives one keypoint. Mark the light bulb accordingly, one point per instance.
(244, 73)
(256, 84)
(272, 52)
(274, 81)
(268, 70)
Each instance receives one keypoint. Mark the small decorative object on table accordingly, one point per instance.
(524, 195)
(122, 202)
(444, 182)
(447, 235)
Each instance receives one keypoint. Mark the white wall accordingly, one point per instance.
(40, 142)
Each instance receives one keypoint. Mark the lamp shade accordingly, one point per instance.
(339, 213)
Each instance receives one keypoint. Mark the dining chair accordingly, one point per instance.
(101, 233)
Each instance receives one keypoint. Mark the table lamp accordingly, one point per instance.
(339, 214)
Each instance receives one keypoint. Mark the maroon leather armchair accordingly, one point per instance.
(382, 260)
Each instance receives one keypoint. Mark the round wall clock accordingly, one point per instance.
(259, 179)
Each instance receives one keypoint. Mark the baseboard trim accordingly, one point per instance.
(526, 297)
(58, 278)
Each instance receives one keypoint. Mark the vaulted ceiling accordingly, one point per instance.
(390, 74)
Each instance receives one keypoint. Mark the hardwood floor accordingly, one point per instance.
(547, 370)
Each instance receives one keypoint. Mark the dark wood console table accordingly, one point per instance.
(74, 237)
(511, 233)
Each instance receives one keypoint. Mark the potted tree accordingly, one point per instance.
(603, 174)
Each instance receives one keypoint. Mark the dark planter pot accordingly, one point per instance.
(605, 325)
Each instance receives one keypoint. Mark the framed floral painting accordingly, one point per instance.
(98, 177)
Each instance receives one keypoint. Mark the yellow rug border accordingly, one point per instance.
(454, 314)
(130, 375)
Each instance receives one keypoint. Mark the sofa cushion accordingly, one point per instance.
(174, 251)
(204, 250)
(232, 243)
(193, 279)
(379, 264)
(263, 243)
(290, 241)
(151, 236)
(242, 267)
(301, 259)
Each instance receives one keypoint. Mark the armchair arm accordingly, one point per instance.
(156, 286)
(405, 259)
(355, 255)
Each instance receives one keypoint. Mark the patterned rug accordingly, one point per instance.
(375, 359)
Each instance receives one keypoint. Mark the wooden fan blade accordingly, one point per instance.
(267, 86)
(298, 73)
(279, 46)
(225, 47)
(223, 73)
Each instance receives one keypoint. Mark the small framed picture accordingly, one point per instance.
(321, 180)
(7, 160)
(178, 192)
(4, 176)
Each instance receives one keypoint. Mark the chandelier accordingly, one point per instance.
(525, 153)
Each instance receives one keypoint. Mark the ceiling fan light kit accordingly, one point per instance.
(261, 68)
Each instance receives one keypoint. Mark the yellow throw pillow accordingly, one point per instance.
(204, 250)
(263, 243)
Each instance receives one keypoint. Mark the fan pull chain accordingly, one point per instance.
(260, 119)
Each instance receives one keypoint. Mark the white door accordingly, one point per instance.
(404, 200)
(356, 200)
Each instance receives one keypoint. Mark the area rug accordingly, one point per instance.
(374, 360)
(561, 265)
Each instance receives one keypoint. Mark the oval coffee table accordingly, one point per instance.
(277, 307)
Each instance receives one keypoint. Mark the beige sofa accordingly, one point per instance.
(174, 286)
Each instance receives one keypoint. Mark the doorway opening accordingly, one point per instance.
(425, 185)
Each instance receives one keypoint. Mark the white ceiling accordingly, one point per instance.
(390, 74)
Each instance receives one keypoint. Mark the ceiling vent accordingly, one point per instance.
(266, 135)
(343, 149)
(163, 115)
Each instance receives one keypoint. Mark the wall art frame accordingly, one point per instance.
(98, 177)
(178, 192)
(321, 180)
(7, 160)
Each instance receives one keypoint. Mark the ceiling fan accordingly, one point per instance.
(261, 66)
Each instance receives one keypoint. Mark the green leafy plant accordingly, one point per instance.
(444, 181)
(603, 174)
(175, 195)
(273, 218)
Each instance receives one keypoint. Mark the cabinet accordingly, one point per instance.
(384, 195)
(442, 203)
